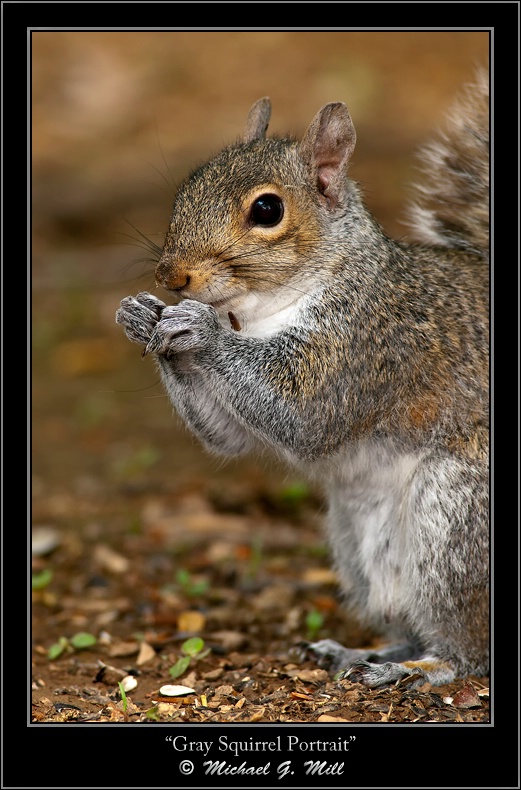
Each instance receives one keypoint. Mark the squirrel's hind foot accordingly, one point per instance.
(396, 663)
(376, 675)
(332, 655)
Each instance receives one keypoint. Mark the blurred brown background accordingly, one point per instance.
(117, 119)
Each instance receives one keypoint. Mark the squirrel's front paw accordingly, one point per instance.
(139, 315)
(187, 326)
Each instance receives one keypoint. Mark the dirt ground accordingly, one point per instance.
(188, 567)
(142, 541)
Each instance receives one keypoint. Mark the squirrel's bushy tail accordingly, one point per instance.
(451, 205)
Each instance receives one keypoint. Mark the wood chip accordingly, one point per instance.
(167, 708)
(338, 719)
(298, 695)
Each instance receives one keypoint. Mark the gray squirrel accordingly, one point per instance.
(301, 327)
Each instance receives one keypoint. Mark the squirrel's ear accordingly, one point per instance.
(326, 149)
(257, 121)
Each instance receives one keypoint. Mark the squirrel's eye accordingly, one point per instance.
(267, 210)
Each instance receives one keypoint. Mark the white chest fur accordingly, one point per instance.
(369, 528)
(262, 315)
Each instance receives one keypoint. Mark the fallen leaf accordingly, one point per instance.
(230, 640)
(122, 649)
(310, 675)
(213, 674)
(319, 576)
(146, 653)
(109, 559)
(191, 622)
(276, 596)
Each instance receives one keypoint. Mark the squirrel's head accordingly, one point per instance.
(252, 218)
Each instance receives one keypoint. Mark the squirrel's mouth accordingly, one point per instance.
(216, 304)
(223, 304)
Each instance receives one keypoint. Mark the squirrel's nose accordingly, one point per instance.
(171, 276)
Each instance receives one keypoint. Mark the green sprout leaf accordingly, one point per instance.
(57, 649)
(83, 639)
(314, 622)
(40, 580)
(179, 667)
(123, 696)
(188, 585)
(192, 646)
(295, 493)
(183, 577)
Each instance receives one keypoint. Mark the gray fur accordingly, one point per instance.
(361, 361)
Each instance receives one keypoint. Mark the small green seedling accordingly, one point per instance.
(79, 641)
(82, 640)
(58, 648)
(153, 714)
(123, 696)
(293, 497)
(180, 667)
(41, 580)
(193, 650)
(187, 584)
(314, 622)
(135, 464)
(123, 699)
